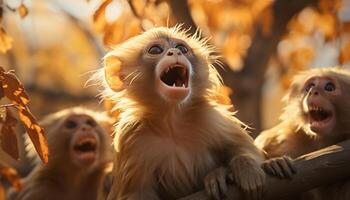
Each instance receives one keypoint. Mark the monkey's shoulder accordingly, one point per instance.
(276, 141)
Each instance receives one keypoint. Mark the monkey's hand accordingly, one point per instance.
(249, 176)
(282, 167)
(215, 183)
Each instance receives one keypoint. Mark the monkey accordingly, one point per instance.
(173, 137)
(79, 152)
(316, 115)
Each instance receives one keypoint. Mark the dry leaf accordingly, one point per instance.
(13, 88)
(35, 132)
(23, 11)
(99, 17)
(5, 41)
(8, 135)
(344, 55)
(11, 176)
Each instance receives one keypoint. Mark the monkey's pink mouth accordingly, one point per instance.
(175, 76)
(174, 81)
(320, 118)
(85, 148)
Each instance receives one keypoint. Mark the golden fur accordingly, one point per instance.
(164, 151)
(293, 137)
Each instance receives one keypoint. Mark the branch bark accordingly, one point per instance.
(247, 84)
(323, 167)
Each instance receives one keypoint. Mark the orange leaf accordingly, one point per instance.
(344, 55)
(11, 175)
(99, 17)
(8, 135)
(23, 10)
(35, 132)
(5, 41)
(13, 88)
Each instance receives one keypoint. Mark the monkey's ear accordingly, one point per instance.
(113, 76)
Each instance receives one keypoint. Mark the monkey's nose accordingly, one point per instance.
(173, 51)
(86, 127)
(314, 92)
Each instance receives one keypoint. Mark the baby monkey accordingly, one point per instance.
(173, 138)
(79, 153)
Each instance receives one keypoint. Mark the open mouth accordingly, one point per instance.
(175, 76)
(319, 117)
(85, 148)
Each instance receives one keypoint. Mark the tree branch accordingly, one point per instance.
(323, 167)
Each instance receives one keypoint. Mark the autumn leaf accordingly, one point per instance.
(8, 136)
(23, 11)
(99, 17)
(344, 55)
(13, 88)
(35, 132)
(11, 176)
(5, 41)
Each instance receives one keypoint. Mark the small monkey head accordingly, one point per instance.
(322, 96)
(76, 136)
(162, 65)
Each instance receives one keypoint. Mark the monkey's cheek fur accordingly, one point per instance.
(84, 148)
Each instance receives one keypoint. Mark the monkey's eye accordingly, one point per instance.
(309, 86)
(91, 122)
(329, 87)
(182, 48)
(70, 124)
(156, 49)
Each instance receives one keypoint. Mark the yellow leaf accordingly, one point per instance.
(11, 176)
(35, 132)
(99, 17)
(5, 41)
(23, 10)
(8, 136)
(13, 88)
(344, 55)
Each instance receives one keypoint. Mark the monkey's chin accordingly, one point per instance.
(322, 127)
(173, 94)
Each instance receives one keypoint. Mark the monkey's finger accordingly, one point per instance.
(287, 171)
(269, 169)
(222, 184)
(277, 168)
(215, 189)
(290, 163)
(207, 186)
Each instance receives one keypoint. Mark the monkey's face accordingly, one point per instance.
(161, 65)
(79, 138)
(172, 67)
(320, 95)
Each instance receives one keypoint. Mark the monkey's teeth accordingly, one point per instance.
(174, 85)
(183, 85)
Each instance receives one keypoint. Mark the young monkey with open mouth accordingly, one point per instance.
(173, 138)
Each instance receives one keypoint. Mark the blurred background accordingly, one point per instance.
(53, 45)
